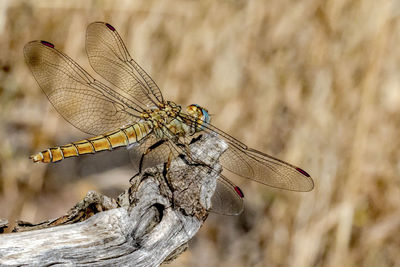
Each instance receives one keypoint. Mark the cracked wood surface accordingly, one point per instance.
(150, 223)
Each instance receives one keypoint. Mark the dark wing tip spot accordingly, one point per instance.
(110, 27)
(47, 44)
(302, 172)
(239, 191)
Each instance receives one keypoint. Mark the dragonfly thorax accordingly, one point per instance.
(169, 122)
(164, 113)
(165, 120)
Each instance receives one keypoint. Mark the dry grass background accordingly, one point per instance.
(315, 83)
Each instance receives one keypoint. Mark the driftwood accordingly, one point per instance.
(150, 223)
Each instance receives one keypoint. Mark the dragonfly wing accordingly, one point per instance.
(150, 152)
(83, 101)
(265, 169)
(258, 166)
(227, 198)
(110, 59)
(255, 165)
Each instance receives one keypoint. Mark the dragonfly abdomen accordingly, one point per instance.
(109, 141)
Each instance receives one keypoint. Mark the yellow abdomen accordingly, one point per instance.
(123, 137)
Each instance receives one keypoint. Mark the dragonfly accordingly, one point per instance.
(130, 111)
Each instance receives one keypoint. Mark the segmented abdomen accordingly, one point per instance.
(123, 137)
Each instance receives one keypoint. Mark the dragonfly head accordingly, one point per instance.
(201, 114)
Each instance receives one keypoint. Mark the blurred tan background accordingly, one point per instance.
(315, 83)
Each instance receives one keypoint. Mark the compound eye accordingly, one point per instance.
(206, 116)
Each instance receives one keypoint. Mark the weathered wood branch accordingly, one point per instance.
(148, 224)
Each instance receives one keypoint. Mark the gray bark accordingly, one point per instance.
(150, 223)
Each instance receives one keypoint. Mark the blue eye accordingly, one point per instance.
(206, 117)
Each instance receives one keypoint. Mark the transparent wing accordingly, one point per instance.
(258, 166)
(111, 60)
(158, 154)
(227, 198)
(83, 101)
(262, 168)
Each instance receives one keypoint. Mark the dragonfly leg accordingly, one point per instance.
(168, 181)
(191, 162)
(133, 177)
(167, 165)
(187, 158)
(195, 139)
(148, 150)
(186, 148)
